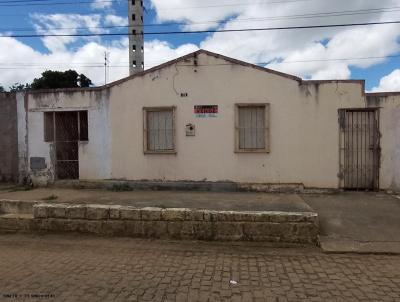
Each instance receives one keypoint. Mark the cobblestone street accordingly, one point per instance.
(81, 268)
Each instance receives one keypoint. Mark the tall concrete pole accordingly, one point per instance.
(136, 51)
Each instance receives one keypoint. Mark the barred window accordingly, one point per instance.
(53, 122)
(252, 128)
(159, 130)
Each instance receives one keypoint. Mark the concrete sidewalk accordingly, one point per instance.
(167, 199)
(358, 222)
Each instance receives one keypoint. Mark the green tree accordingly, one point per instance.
(2, 89)
(58, 79)
(84, 81)
(18, 87)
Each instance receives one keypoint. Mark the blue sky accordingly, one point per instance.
(321, 52)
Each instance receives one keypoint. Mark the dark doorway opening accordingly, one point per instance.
(66, 129)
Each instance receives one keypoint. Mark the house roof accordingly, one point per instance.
(383, 93)
(209, 53)
(194, 54)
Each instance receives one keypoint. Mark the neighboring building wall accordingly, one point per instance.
(8, 138)
(303, 125)
(94, 155)
(22, 138)
(389, 104)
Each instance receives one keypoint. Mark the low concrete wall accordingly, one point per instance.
(16, 206)
(177, 223)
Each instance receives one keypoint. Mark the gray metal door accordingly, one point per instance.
(359, 149)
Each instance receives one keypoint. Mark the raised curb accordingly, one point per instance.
(340, 245)
(17, 206)
(178, 223)
(170, 223)
(115, 212)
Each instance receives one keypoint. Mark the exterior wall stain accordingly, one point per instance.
(94, 155)
(311, 89)
(304, 134)
(316, 87)
(301, 150)
(305, 89)
(374, 101)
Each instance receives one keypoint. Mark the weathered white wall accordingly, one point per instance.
(38, 148)
(94, 155)
(304, 125)
(389, 105)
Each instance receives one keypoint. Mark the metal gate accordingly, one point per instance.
(66, 129)
(67, 145)
(359, 149)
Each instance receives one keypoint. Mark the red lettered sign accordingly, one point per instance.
(206, 110)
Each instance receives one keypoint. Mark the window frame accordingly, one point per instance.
(267, 109)
(145, 129)
(49, 135)
(80, 132)
(48, 131)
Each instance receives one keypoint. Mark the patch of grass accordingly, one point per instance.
(51, 197)
(122, 187)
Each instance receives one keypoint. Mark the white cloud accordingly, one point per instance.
(194, 11)
(309, 53)
(391, 82)
(101, 4)
(23, 64)
(87, 60)
(324, 44)
(85, 55)
(114, 20)
(157, 52)
(51, 24)
(324, 61)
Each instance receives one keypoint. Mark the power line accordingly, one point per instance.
(338, 59)
(293, 61)
(272, 18)
(201, 31)
(17, 3)
(101, 65)
(56, 3)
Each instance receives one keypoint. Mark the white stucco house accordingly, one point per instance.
(207, 117)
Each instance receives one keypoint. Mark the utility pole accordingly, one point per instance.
(136, 50)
